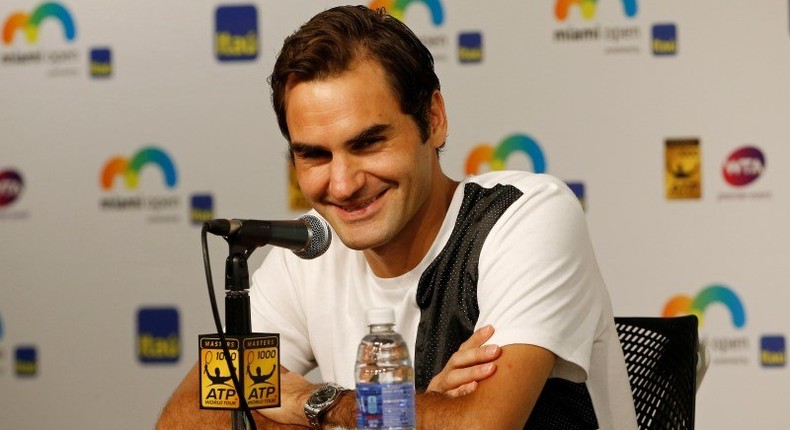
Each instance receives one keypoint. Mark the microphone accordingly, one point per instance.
(308, 236)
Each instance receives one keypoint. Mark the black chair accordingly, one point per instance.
(661, 359)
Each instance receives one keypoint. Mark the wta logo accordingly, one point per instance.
(496, 157)
(588, 8)
(684, 305)
(130, 168)
(11, 185)
(31, 23)
(397, 8)
(743, 166)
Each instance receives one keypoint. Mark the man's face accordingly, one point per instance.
(359, 160)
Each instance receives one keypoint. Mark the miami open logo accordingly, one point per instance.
(616, 39)
(30, 23)
(589, 7)
(496, 157)
(397, 8)
(711, 295)
(130, 168)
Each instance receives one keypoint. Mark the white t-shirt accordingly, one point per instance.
(539, 283)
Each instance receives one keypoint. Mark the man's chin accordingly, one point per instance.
(355, 244)
(359, 242)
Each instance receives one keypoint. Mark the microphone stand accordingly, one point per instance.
(237, 308)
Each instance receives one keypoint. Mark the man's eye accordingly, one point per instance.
(367, 143)
(311, 154)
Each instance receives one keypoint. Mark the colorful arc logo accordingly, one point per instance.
(397, 8)
(588, 8)
(497, 157)
(130, 169)
(31, 23)
(683, 305)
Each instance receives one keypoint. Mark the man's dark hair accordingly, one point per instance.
(331, 41)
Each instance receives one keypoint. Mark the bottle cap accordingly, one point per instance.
(378, 316)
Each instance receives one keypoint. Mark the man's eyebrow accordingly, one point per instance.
(301, 147)
(372, 132)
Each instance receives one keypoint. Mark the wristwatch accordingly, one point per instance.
(320, 402)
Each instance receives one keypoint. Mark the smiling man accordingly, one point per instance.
(493, 279)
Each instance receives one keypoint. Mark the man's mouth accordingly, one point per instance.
(360, 206)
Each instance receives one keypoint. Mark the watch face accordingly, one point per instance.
(324, 394)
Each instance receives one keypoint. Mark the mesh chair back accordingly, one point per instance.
(661, 359)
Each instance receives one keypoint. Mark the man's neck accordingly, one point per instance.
(415, 240)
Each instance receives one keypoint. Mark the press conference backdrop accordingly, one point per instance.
(125, 124)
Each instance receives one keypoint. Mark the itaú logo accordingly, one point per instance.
(743, 166)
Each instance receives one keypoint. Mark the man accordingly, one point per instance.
(500, 259)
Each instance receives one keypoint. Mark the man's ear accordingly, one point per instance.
(437, 120)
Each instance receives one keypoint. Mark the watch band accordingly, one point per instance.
(321, 401)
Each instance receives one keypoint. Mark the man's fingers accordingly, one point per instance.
(462, 390)
(473, 362)
(479, 337)
(477, 355)
(465, 380)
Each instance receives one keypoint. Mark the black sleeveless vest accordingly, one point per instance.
(447, 297)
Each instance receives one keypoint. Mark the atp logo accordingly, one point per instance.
(743, 166)
(11, 185)
(496, 157)
(397, 8)
(130, 169)
(31, 23)
(588, 8)
(684, 305)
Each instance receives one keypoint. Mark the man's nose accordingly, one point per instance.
(345, 177)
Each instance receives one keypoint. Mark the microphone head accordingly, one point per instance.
(320, 237)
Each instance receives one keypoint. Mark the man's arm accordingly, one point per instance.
(473, 362)
(183, 410)
(502, 401)
(502, 397)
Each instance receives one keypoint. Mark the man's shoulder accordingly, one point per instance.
(527, 182)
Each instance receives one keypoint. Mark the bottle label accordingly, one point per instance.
(385, 406)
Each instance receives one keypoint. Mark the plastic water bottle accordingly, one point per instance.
(384, 376)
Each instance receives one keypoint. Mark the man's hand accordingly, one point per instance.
(294, 392)
(470, 364)
(183, 411)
